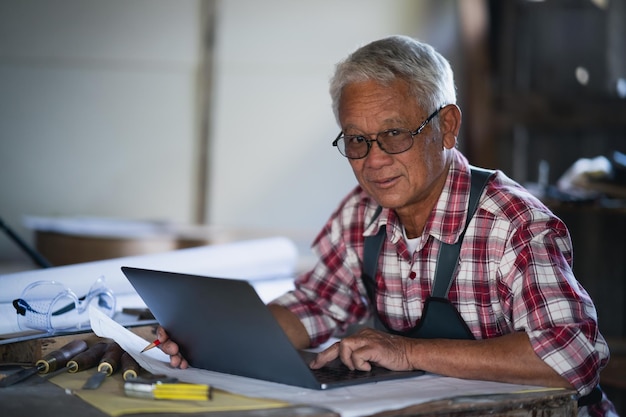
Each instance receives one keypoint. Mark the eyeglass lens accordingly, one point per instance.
(391, 141)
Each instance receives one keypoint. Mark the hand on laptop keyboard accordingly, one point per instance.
(365, 348)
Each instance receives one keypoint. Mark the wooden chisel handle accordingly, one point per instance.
(59, 358)
(130, 367)
(87, 359)
(111, 359)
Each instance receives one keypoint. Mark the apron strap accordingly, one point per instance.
(447, 260)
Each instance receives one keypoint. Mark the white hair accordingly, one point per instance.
(428, 74)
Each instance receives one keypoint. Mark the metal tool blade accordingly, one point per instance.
(18, 376)
(49, 363)
(63, 370)
(95, 380)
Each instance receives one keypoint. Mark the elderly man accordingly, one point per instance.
(463, 272)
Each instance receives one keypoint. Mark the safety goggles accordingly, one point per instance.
(51, 306)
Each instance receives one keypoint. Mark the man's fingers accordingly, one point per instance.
(364, 349)
(354, 354)
(161, 334)
(165, 344)
(348, 352)
(171, 348)
(360, 363)
(361, 358)
(326, 356)
(177, 361)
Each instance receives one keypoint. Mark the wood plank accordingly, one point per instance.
(29, 351)
(556, 403)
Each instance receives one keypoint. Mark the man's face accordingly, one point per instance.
(407, 182)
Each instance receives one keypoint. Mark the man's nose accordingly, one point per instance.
(376, 154)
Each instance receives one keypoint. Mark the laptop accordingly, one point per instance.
(222, 325)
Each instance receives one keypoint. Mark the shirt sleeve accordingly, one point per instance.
(328, 298)
(551, 306)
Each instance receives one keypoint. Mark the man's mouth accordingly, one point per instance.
(384, 182)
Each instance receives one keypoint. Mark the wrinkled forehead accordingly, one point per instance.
(386, 105)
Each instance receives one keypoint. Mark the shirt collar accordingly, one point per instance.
(447, 219)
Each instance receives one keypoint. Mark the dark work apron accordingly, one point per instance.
(440, 319)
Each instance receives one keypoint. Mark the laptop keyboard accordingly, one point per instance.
(332, 374)
(336, 373)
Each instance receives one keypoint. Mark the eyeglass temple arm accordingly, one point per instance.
(431, 117)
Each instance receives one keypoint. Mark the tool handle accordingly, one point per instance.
(59, 358)
(87, 359)
(130, 367)
(111, 359)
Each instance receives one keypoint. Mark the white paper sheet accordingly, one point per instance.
(352, 401)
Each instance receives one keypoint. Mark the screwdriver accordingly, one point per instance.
(52, 361)
(108, 365)
(165, 391)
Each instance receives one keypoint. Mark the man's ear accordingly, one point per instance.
(450, 124)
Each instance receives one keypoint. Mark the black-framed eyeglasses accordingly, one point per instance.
(391, 141)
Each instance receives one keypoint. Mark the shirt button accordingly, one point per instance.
(412, 275)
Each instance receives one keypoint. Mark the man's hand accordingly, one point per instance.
(171, 348)
(509, 358)
(367, 347)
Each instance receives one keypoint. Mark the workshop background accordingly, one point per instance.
(163, 124)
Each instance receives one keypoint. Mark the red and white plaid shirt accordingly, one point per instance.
(514, 273)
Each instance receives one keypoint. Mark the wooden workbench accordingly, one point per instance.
(38, 396)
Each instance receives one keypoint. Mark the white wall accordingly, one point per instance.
(97, 110)
(272, 163)
(98, 104)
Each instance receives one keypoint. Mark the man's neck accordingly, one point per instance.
(414, 217)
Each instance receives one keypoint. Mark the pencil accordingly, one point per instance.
(154, 344)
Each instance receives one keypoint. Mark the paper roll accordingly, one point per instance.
(258, 260)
